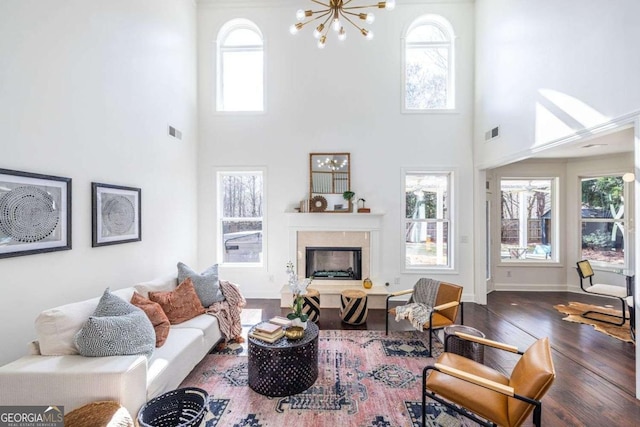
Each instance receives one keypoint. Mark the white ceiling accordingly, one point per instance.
(616, 142)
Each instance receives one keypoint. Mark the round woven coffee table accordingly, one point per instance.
(468, 349)
(285, 367)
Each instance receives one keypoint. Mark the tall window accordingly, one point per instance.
(528, 220)
(240, 213)
(240, 83)
(427, 221)
(429, 65)
(602, 217)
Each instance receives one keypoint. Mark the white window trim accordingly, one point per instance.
(628, 258)
(218, 239)
(445, 26)
(554, 261)
(453, 221)
(235, 24)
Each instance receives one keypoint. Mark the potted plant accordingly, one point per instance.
(298, 289)
(348, 195)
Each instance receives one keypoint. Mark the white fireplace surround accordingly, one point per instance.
(338, 229)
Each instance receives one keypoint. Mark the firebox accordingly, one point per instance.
(334, 263)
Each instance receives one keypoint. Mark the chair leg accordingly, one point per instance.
(537, 415)
(623, 317)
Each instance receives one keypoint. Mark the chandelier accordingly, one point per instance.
(337, 11)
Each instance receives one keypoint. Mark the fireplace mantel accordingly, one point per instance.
(335, 221)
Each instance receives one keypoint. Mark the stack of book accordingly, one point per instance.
(280, 321)
(267, 331)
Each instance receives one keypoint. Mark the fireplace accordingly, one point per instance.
(333, 263)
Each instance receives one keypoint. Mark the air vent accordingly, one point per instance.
(175, 132)
(491, 134)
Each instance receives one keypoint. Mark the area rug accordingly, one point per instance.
(366, 378)
(575, 309)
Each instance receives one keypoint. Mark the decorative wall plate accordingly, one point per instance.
(318, 204)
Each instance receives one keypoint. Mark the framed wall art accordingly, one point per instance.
(115, 214)
(35, 213)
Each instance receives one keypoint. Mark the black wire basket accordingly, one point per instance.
(184, 407)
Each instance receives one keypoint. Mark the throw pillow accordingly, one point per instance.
(156, 315)
(206, 284)
(181, 304)
(116, 328)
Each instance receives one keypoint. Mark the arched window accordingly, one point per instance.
(240, 82)
(429, 65)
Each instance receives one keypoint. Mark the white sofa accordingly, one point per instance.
(55, 374)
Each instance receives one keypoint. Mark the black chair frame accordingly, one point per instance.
(431, 330)
(623, 318)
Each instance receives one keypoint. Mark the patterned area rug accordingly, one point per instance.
(575, 309)
(365, 379)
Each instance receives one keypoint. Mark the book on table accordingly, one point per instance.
(270, 338)
(268, 328)
(281, 321)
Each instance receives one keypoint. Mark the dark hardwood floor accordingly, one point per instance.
(595, 384)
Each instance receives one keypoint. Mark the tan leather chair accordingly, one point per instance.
(485, 395)
(444, 313)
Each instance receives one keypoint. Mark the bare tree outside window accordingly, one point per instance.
(241, 216)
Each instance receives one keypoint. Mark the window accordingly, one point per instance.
(602, 219)
(427, 223)
(241, 223)
(528, 231)
(240, 83)
(428, 65)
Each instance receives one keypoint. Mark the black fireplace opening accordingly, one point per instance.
(334, 263)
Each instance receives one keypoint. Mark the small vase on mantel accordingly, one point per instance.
(297, 322)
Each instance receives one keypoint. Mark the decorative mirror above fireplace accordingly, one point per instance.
(329, 178)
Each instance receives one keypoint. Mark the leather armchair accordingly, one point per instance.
(485, 395)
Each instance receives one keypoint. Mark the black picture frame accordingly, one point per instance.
(35, 213)
(116, 214)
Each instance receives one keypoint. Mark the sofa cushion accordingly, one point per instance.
(57, 327)
(116, 328)
(171, 363)
(206, 323)
(180, 304)
(156, 315)
(206, 283)
(164, 283)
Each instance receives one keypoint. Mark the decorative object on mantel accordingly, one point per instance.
(337, 11)
(298, 289)
(318, 204)
(367, 283)
(363, 209)
(348, 196)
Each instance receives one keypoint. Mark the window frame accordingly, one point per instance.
(555, 237)
(445, 26)
(224, 32)
(450, 219)
(626, 215)
(219, 173)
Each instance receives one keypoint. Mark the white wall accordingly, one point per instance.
(345, 98)
(87, 90)
(547, 69)
(561, 275)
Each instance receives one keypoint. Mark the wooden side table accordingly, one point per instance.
(311, 304)
(353, 306)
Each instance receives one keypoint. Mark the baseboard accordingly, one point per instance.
(534, 287)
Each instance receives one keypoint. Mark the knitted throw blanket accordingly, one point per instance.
(228, 311)
(421, 303)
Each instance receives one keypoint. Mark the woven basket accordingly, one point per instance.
(184, 407)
